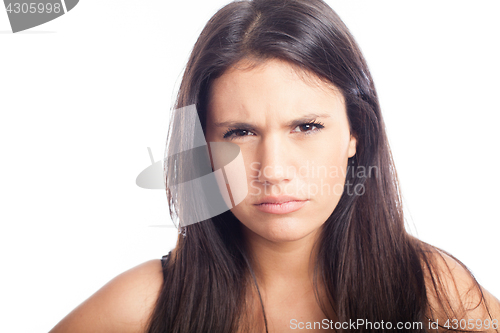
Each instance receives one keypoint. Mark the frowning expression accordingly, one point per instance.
(293, 131)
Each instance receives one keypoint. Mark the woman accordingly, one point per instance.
(319, 242)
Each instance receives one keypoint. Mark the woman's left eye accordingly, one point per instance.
(308, 127)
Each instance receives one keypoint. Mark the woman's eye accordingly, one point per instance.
(237, 132)
(309, 127)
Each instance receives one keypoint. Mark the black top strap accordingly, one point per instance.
(164, 262)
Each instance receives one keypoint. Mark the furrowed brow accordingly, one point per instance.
(306, 119)
(248, 126)
(234, 124)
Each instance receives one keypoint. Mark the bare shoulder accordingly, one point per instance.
(124, 304)
(453, 292)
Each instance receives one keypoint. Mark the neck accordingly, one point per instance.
(282, 265)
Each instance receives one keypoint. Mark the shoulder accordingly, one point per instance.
(453, 292)
(124, 304)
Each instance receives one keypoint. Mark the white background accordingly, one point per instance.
(83, 96)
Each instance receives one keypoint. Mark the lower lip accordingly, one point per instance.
(283, 208)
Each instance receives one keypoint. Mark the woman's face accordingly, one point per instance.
(295, 140)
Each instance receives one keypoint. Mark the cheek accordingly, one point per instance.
(229, 172)
(326, 178)
(252, 170)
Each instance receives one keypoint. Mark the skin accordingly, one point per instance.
(124, 304)
(269, 96)
(283, 156)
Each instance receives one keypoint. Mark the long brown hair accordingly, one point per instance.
(370, 267)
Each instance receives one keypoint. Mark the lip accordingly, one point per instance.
(280, 205)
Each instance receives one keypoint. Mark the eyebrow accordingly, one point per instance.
(307, 119)
(293, 123)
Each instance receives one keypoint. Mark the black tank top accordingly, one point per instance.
(164, 262)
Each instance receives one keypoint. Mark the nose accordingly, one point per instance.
(274, 158)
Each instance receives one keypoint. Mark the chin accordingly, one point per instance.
(281, 230)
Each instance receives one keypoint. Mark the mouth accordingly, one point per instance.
(280, 205)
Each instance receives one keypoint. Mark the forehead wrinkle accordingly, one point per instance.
(278, 101)
(289, 69)
(234, 105)
(309, 78)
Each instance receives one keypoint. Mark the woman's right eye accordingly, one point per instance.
(237, 132)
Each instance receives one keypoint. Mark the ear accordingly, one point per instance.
(352, 146)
